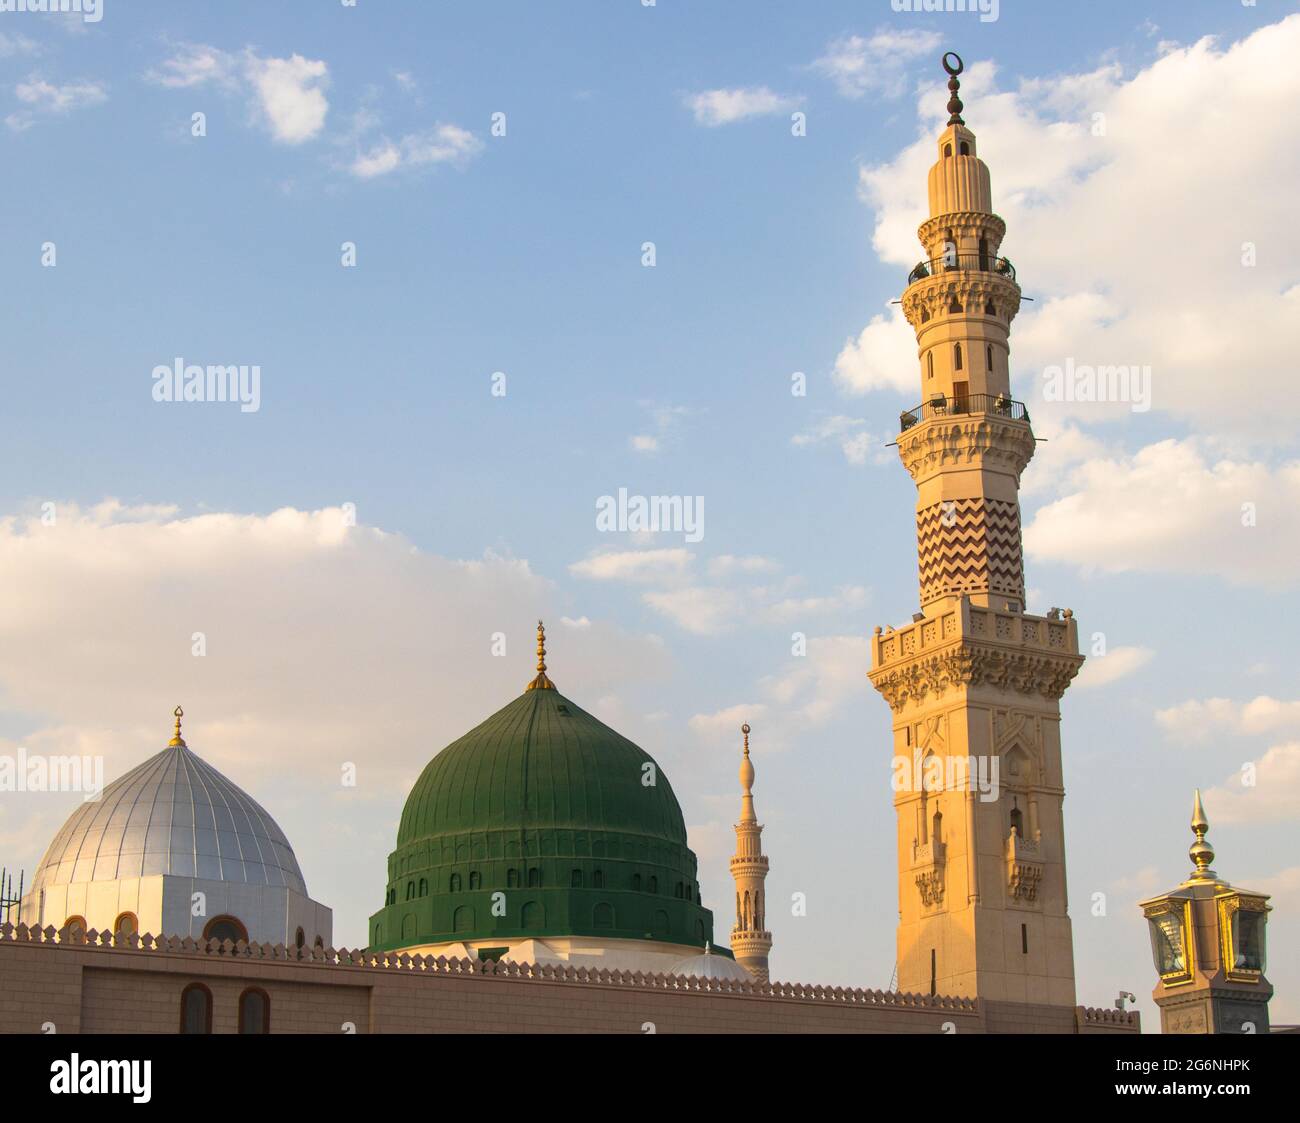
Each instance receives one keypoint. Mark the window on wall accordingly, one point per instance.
(126, 925)
(76, 929)
(512, 879)
(410, 890)
(475, 880)
(455, 883)
(225, 928)
(299, 939)
(652, 885)
(988, 357)
(534, 877)
(575, 879)
(424, 887)
(636, 882)
(196, 1009)
(254, 1011)
(929, 364)
(598, 879)
(956, 356)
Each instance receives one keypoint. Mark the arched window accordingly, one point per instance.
(598, 879)
(424, 887)
(196, 1009)
(76, 929)
(475, 879)
(533, 916)
(937, 833)
(1018, 821)
(988, 356)
(455, 883)
(678, 889)
(956, 356)
(534, 877)
(463, 919)
(925, 314)
(225, 928)
(929, 364)
(575, 879)
(652, 886)
(299, 939)
(964, 149)
(984, 254)
(512, 879)
(254, 1011)
(126, 925)
(603, 916)
(947, 150)
(410, 890)
(954, 305)
(636, 883)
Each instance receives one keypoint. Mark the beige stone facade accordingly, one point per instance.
(974, 682)
(137, 988)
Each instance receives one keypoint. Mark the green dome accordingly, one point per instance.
(573, 827)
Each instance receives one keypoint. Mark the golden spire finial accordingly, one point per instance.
(177, 739)
(1201, 852)
(541, 682)
(747, 781)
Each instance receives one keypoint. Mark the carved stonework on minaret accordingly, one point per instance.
(750, 940)
(974, 682)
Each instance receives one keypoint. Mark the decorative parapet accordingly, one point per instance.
(1086, 1017)
(343, 959)
(971, 645)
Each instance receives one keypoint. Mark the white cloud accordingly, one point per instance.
(444, 144)
(290, 94)
(858, 444)
(42, 98)
(1273, 796)
(1200, 719)
(1169, 508)
(286, 95)
(883, 357)
(1117, 663)
(1061, 151)
(635, 565)
(12, 45)
(196, 64)
(722, 107)
(726, 565)
(808, 692)
(698, 609)
(665, 420)
(859, 65)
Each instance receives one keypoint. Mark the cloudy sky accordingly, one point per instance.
(438, 421)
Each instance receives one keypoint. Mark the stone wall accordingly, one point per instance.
(133, 985)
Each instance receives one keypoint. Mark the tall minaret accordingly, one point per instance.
(750, 940)
(973, 681)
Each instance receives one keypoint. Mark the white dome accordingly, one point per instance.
(173, 814)
(710, 966)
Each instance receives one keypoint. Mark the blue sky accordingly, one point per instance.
(522, 254)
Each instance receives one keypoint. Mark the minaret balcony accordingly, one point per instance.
(962, 262)
(939, 405)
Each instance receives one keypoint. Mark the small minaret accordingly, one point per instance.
(750, 940)
(1207, 940)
